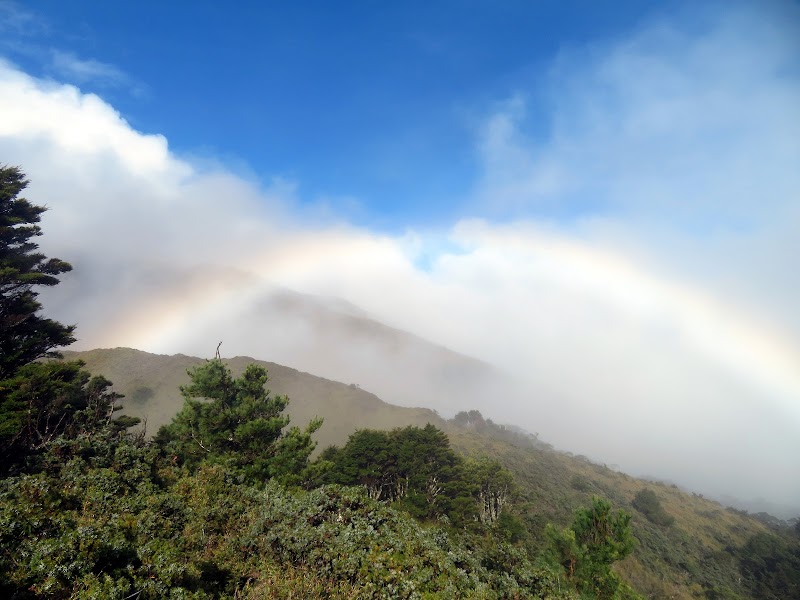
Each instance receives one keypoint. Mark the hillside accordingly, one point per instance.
(698, 555)
(695, 557)
(151, 382)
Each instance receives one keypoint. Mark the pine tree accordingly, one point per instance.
(238, 423)
(39, 401)
(597, 538)
(25, 336)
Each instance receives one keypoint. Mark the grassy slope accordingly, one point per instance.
(150, 383)
(686, 560)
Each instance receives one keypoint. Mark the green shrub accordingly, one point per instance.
(580, 483)
(647, 503)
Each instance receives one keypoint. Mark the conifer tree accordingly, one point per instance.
(25, 335)
(236, 422)
(39, 401)
(597, 538)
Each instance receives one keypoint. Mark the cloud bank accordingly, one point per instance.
(628, 256)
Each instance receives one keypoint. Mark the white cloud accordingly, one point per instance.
(650, 314)
(77, 122)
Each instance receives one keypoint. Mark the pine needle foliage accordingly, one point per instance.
(238, 423)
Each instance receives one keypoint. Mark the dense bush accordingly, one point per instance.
(114, 521)
(647, 503)
(770, 564)
(343, 534)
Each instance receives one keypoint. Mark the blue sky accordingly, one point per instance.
(600, 199)
(370, 106)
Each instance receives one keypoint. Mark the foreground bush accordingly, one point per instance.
(113, 520)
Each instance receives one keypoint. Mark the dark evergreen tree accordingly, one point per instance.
(37, 400)
(367, 459)
(429, 468)
(25, 335)
(416, 468)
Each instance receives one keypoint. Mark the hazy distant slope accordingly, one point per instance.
(151, 384)
(332, 338)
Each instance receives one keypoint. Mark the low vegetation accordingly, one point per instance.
(647, 503)
(104, 513)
